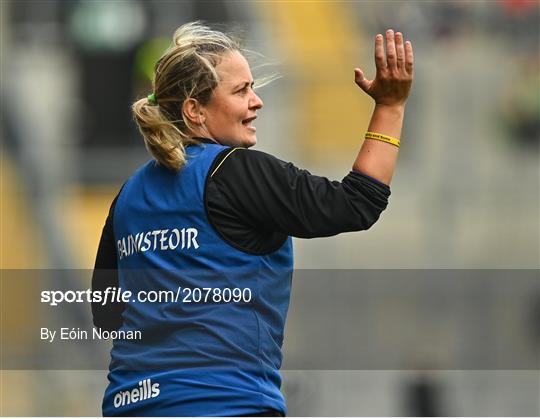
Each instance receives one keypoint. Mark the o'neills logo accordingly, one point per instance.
(146, 390)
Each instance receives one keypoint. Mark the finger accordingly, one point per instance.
(400, 51)
(409, 57)
(380, 61)
(360, 79)
(390, 49)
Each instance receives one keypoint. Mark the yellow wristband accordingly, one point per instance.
(382, 137)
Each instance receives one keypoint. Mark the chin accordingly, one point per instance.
(239, 141)
(249, 142)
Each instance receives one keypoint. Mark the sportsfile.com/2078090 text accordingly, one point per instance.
(117, 295)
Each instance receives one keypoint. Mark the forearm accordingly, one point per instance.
(377, 158)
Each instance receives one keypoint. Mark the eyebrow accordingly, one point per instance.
(244, 84)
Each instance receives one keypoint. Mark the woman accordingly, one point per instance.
(208, 222)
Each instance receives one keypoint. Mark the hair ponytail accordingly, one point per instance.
(162, 138)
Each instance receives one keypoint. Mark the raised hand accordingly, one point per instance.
(394, 75)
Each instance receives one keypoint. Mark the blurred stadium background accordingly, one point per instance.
(465, 195)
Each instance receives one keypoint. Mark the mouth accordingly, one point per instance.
(247, 123)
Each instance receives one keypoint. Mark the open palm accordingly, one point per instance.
(394, 74)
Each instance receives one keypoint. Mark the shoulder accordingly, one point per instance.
(246, 161)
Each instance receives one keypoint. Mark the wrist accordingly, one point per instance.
(396, 109)
(387, 117)
(387, 120)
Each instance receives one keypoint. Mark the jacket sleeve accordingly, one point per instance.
(108, 316)
(275, 195)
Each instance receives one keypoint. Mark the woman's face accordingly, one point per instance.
(230, 113)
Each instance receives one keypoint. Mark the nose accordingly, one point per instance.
(255, 102)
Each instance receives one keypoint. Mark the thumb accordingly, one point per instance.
(360, 79)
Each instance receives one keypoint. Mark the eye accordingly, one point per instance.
(243, 90)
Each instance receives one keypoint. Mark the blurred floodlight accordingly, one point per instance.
(101, 25)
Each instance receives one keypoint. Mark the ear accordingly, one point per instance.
(193, 111)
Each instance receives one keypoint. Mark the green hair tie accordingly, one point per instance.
(152, 99)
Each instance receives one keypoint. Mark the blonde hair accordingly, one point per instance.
(186, 70)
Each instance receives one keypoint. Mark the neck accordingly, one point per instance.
(206, 139)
